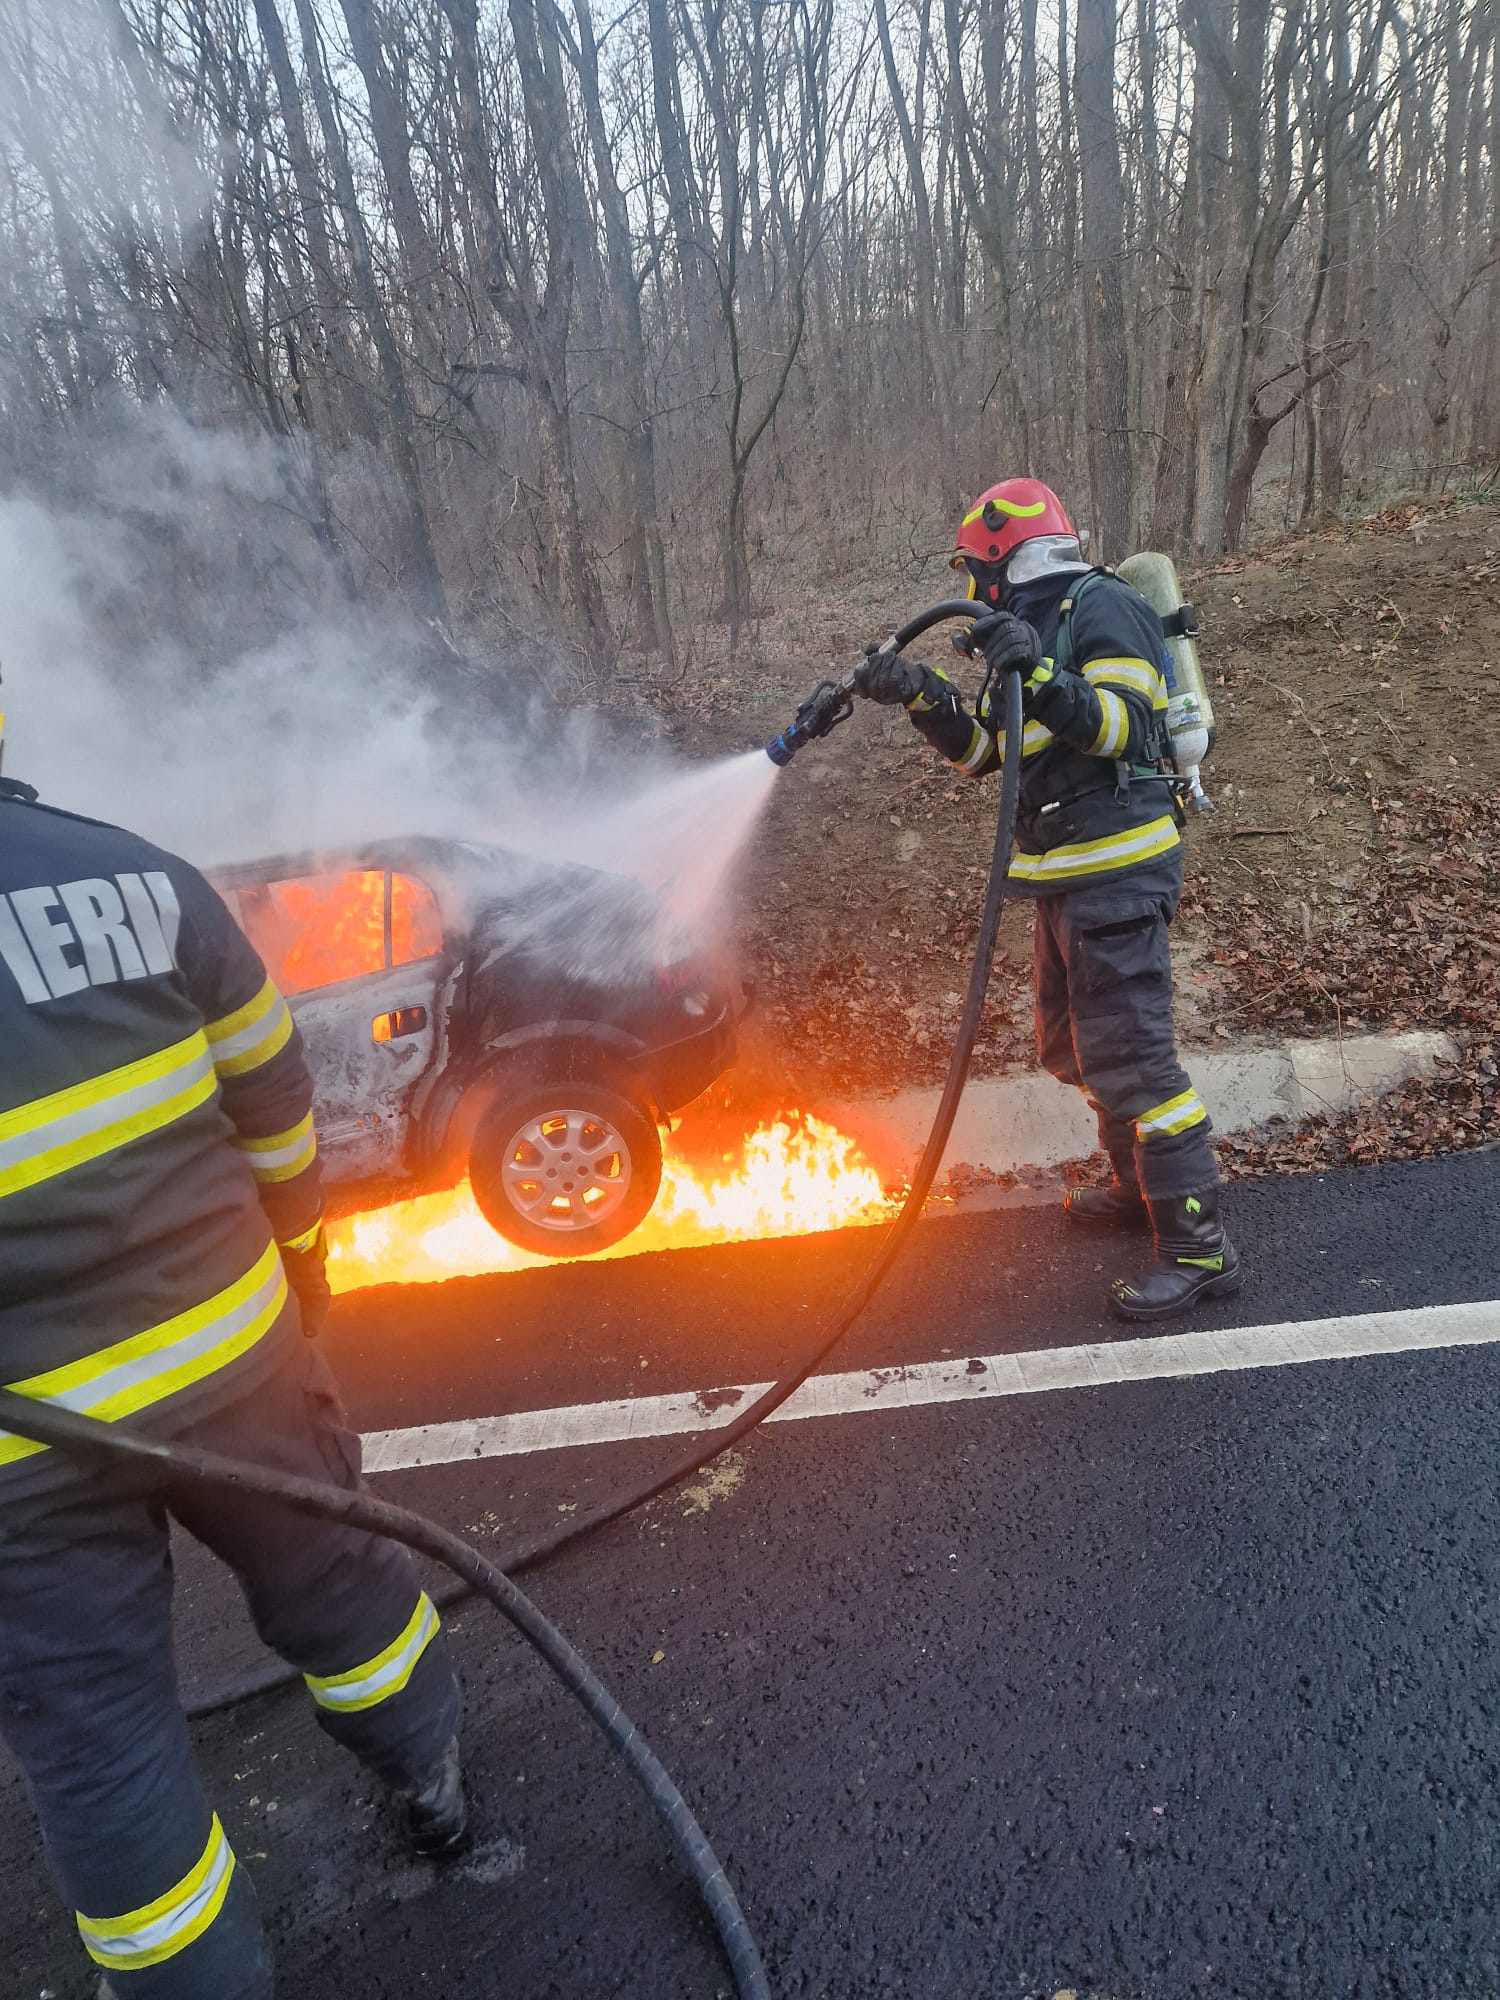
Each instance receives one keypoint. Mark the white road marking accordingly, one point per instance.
(926, 1382)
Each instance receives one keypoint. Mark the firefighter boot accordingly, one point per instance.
(1122, 1201)
(1194, 1260)
(437, 1811)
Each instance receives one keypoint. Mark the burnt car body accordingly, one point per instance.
(467, 1008)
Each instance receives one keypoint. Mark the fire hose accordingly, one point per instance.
(49, 1424)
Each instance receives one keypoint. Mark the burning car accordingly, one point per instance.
(470, 1009)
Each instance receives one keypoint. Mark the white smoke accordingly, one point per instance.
(183, 653)
(197, 640)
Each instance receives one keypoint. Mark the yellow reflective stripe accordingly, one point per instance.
(306, 1241)
(1097, 857)
(283, 1155)
(1035, 736)
(1176, 1115)
(53, 1134)
(980, 744)
(1139, 675)
(252, 1034)
(133, 1374)
(378, 1679)
(1016, 512)
(161, 1929)
(1114, 729)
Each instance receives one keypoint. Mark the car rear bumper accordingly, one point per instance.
(676, 1072)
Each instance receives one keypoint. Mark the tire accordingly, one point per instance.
(567, 1168)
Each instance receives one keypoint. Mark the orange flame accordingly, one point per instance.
(315, 929)
(789, 1178)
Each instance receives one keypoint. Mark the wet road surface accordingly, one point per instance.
(1164, 1688)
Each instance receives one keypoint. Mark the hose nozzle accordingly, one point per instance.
(830, 703)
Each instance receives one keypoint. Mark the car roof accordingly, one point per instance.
(415, 852)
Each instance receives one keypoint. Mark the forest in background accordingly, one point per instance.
(621, 318)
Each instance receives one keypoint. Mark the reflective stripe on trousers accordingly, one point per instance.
(147, 1367)
(376, 1680)
(1176, 1115)
(161, 1929)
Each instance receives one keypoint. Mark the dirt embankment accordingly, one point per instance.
(1348, 878)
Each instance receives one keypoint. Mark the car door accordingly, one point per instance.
(359, 955)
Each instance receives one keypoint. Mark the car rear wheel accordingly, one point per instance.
(565, 1169)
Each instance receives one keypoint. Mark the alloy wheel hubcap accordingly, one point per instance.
(566, 1170)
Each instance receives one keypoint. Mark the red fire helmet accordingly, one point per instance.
(1004, 516)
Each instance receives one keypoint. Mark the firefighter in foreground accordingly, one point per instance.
(161, 1260)
(1098, 847)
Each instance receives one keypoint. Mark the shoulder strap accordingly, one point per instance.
(1062, 651)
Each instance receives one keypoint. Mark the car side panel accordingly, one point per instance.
(363, 1088)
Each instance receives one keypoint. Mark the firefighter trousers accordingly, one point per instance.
(1104, 1024)
(88, 1689)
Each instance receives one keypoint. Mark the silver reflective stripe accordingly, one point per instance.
(299, 1146)
(167, 1360)
(387, 1673)
(978, 750)
(1137, 674)
(1114, 725)
(163, 1928)
(117, 1108)
(158, 1362)
(1174, 1117)
(1096, 856)
(227, 1047)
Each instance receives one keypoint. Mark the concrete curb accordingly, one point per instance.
(1005, 1123)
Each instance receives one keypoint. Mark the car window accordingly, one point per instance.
(314, 930)
(416, 927)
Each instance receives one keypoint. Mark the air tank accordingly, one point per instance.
(1190, 713)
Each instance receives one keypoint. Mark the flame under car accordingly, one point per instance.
(469, 1009)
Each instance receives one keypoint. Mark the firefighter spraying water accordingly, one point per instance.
(1116, 724)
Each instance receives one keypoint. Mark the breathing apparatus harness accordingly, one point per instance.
(1163, 768)
(91, 1439)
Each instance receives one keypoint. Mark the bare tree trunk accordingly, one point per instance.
(935, 363)
(346, 391)
(688, 232)
(1106, 396)
(420, 572)
(645, 558)
(1336, 204)
(542, 327)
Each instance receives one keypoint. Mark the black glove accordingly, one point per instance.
(1008, 643)
(891, 679)
(307, 1274)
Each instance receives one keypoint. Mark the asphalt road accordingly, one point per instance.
(1176, 1687)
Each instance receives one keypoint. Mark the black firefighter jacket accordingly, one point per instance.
(1089, 810)
(156, 1140)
